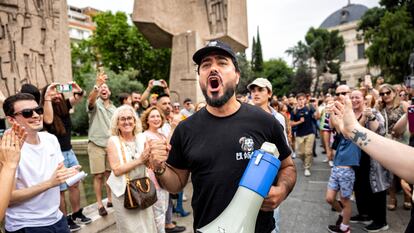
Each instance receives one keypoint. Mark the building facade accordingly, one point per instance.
(354, 64)
(80, 22)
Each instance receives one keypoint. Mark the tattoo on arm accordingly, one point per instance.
(361, 137)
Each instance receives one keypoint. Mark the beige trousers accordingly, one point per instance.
(304, 147)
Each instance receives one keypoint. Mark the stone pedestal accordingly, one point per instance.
(185, 26)
(34, 44)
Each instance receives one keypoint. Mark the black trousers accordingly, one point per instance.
(373, 205)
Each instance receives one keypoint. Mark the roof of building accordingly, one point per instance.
(346, 14)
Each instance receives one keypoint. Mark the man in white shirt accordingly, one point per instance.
(34, 203)
(261, 92)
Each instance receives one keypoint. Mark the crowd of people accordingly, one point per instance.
(148, 136)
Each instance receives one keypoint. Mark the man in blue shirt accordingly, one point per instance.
(302, 117)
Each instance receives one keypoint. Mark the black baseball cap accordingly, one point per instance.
(214, 45)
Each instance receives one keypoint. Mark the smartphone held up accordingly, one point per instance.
(61, 88)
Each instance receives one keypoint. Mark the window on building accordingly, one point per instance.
(361, 51)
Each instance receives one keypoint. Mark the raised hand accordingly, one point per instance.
(10, 146)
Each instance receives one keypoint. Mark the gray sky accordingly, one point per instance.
(282, 23)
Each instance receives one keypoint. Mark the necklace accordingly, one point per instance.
(131, 148)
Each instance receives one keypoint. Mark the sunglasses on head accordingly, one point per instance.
(341, 93)
(27, 113)
(385, 93)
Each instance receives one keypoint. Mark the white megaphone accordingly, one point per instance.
(241, 214)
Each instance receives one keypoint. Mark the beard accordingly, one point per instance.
(220, 101)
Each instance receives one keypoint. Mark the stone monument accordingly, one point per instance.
(34, 43)
(185, 26)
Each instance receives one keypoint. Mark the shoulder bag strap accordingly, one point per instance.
(386, 120)
(123, 157)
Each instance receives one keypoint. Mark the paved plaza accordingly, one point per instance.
(305, 210)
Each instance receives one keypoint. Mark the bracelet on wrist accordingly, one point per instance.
(81, 93)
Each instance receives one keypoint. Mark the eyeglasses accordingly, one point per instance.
(176, 106)
(124, 119)
(27, 113)
(341, 93)
(385, 93)
(403, 95)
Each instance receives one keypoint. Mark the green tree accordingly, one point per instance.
(253, 60)
(83, 60)
(325, 47)
(299, 54)
(302, 78)
(118, 83)
(279, 74)
(390, 32)
(257, 56)
(246, 73)
(122, 47)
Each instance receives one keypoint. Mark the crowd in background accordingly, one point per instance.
(118, 134)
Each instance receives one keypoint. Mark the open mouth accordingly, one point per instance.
(214, 83)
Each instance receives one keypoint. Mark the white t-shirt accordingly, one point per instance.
(37, 164)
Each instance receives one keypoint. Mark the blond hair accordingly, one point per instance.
(396, 100)
(114, 120)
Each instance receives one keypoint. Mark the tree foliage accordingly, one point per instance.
(121, 47)
(325, 47)
(246, 73)
(390, 31)
(257, 55)
(122, 82)
(279, 74)
(300, 54)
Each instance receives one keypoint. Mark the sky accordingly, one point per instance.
(282, 23)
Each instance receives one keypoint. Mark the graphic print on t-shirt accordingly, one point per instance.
(247, 147)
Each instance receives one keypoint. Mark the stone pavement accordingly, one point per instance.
(305, 210)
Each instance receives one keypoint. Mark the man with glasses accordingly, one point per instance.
(34, 202)
(188, 109)
(100, 110)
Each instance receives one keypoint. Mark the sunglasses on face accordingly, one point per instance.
(403, 95)
(341, 93)
(27, 113)
(385, 93)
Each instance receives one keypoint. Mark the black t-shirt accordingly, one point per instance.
(306, 127)
(64, 140)
(216, 150)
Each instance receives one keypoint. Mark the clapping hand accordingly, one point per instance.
(10, 145)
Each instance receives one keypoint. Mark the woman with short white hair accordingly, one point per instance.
(127, 144)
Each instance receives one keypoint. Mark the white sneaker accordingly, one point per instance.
(325, 160)
(307, 173)
(293, 155)
(331, 163)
